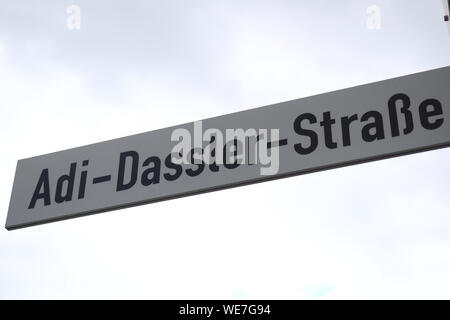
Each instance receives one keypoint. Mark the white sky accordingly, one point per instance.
(377, 230)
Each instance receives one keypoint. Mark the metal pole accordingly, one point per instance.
(446, 17)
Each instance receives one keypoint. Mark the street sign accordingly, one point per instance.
(364, 123)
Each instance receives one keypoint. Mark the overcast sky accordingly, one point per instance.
(376, 230)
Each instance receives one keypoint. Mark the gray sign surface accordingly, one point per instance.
(364, 123)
